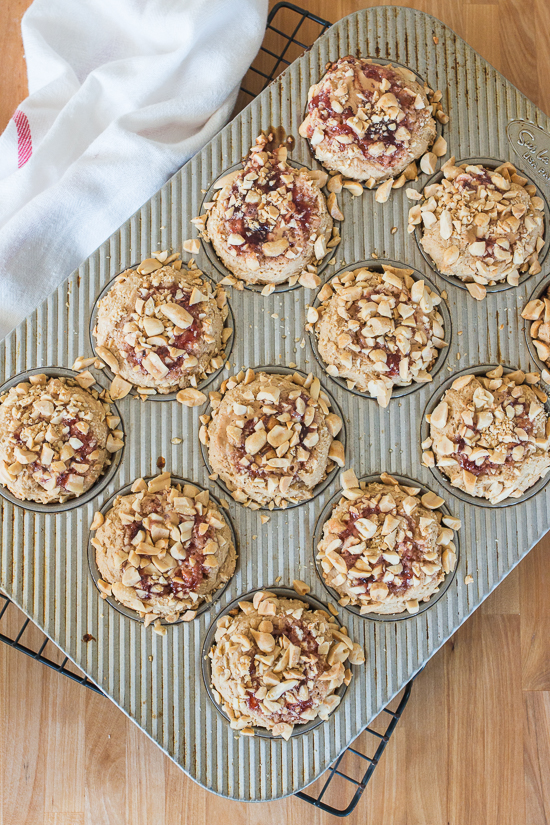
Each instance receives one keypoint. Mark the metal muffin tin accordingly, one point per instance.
(157, 681)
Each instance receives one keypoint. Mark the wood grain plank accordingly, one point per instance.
(536, 757)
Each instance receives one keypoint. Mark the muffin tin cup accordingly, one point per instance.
(223, 270)
(127, 611)
(330, 477)
(209, 641)
(383, 62)
(104, 479)
(490, 163)
(441, 478)
(355, 610)
(397, 392)
(538, 292)
(157, 396)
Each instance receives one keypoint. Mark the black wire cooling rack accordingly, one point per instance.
(290, 31)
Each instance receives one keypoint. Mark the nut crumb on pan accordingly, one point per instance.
(384, 548)
(491, 434)
(269, 222)
(277, 662)
(160, 327)
(468, 579)
(164, 550)
(370, 122)
(270, 437)
(378, 329)
(481, 225)
(56, 438)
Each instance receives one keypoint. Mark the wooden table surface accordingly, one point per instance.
(473, 747)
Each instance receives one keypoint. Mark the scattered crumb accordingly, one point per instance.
(468, 579)
(176, 440)
(264, 519)
(435, 40)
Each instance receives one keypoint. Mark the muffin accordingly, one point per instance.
(384, 548)
(481, 225)
(161, 327)
(56, 438)
(277, 662)
(368, 121)
(269, 222)
(378, 330)
(490, 435)
(538, 311)
(271, 438)
(163, 549)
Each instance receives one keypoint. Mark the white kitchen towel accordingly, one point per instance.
(121, 94)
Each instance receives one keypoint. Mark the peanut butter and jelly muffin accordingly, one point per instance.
(161, 326)
(490, 435)
(270, 220)
(368, 121)
(271, 437)
(481, 225)
(278, 662)
(378, 330)
(385, 548)
(163, 549)
(56, 438)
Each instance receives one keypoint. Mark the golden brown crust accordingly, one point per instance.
(378, 330)
(481, 225)
(269, 222)
(383, 550)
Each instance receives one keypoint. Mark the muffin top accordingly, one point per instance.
(269, 221)
(378, 329)
(490, 435)
(367, 120)
(161, 326)
(163, 549)
(277, 662)
(481, 225)
(385, 547)
(270, 437)
(56, 438)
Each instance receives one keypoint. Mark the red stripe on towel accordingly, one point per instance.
(24, 140)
